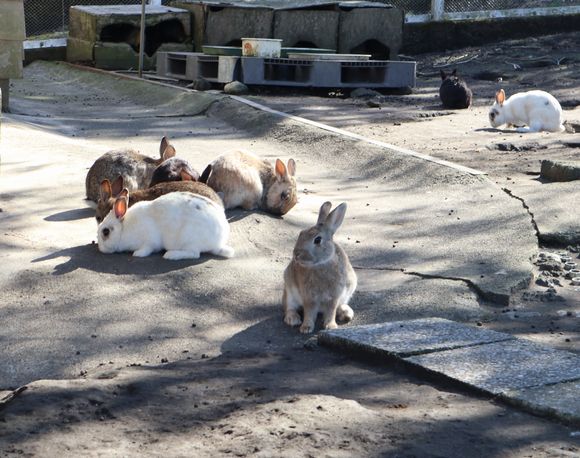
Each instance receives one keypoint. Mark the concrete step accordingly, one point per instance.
(537, 378)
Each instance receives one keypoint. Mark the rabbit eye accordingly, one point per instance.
(285, 195)
(317, 240)
(106, 232)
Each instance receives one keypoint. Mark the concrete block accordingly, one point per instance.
(12, 20)
(110, 35)
(79, 50)
(504, 366)
(90, 22)
(560, 170)
(310, 28)
(11, 58)
(407, 338)
(115, 56)
(561, 400)
(221, 24)
(375, 30)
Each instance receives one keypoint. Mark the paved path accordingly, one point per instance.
(535, 377)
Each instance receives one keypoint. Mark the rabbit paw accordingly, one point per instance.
(331, 325)
(344, 313)
(176, 255)
(292, 319)
(142, 252)
(225, 252)
(307, 328)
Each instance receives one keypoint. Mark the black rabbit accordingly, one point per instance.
(454, 92)
(173, 169)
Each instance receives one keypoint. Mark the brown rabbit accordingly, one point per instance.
(249, 182)
(110, 191)
(135, 168)
(319, 277)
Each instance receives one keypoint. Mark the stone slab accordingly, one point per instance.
(503, 366)
(413, 337)
(560, 170)
(561, 400)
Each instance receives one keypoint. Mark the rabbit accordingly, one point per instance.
(454, 92)
(109, 191)
(319, 277)
(135, 168)
(183, 224)
(537, 110)
(173, 169)
(249, 182)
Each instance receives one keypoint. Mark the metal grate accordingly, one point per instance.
(460, 6)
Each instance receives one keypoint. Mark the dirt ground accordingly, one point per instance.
(307, 401)
(511, 159)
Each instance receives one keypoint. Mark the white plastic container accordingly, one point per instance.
(261, 47)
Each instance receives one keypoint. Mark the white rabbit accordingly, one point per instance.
(537, 110)
(320, 277)
(182, 223)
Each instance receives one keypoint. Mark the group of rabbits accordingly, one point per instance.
(146, 205)
(531, 111)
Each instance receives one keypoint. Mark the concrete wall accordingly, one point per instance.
(439, 36)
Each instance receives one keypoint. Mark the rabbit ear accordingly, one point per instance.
(124, 193)
(186, 176)
(443, 74)
(280, 169)
(323, 212)
(500, 97)
(168, 152)
(121, 204)
(106, 192)
(291, 167)
(117, 185)
(164, 144)
(334, 220)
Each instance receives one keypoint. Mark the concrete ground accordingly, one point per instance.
(215, 370)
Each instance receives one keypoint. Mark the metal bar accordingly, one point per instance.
(142, 38)
(437, 9)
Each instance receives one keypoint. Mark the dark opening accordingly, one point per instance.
(375, 48)
(121, 32)
(304, 44)
(170, 31)
(237, 43)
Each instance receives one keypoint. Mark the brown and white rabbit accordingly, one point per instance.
(454, 92)
(110, 191)
(319, 277)
(538, 110)
(135, 168)
(249, 182)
